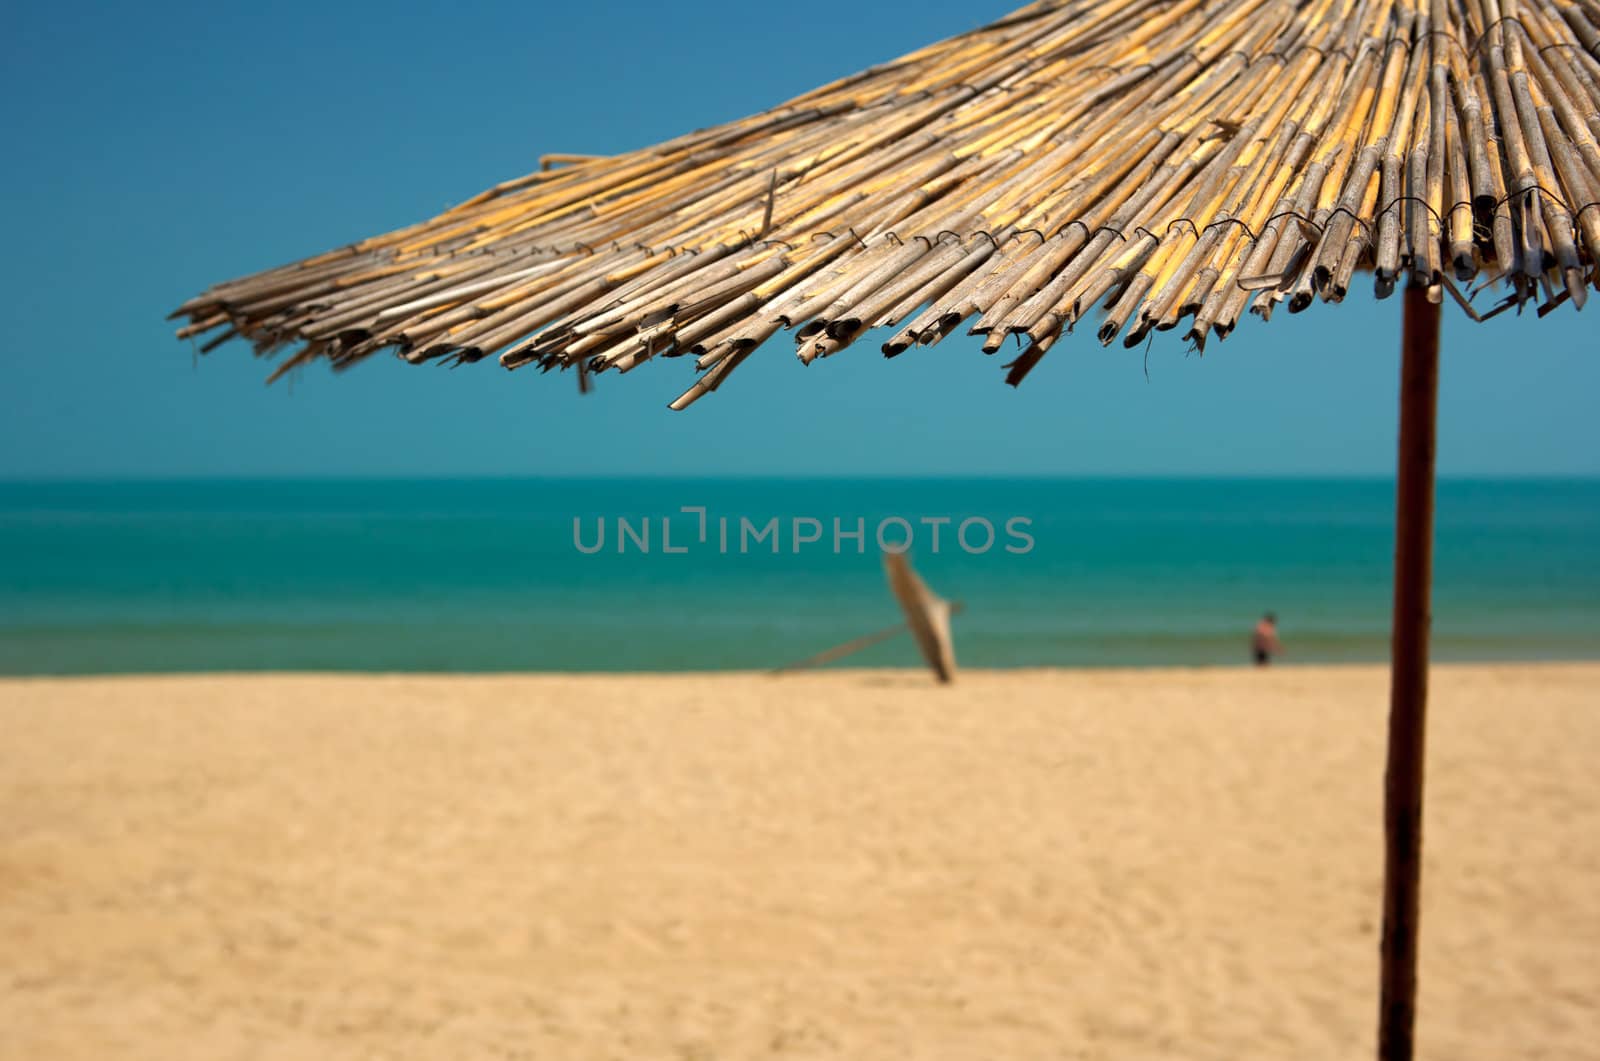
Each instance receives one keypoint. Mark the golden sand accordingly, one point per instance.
(1164, 864)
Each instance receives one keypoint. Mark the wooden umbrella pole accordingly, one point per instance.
(1408, 689)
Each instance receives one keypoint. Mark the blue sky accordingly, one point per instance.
(154, 149)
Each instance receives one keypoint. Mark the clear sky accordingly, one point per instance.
(154, 149)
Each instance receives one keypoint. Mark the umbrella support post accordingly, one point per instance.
(1408, 689)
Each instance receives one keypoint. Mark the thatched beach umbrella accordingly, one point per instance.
(1145, 164)
(927, 620)
(927, 616)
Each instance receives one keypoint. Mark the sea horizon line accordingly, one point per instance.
(798, 477)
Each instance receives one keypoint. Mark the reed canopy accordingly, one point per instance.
(1146, 164)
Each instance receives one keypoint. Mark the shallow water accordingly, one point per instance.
(487, 575)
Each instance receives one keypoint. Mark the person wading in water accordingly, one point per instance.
(1264, 643)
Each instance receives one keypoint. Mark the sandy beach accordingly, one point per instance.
(1032, 864)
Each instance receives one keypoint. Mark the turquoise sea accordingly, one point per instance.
(487, 576)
